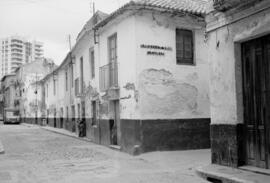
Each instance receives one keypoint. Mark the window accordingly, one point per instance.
(73, 112)
(66, 80)
(77, 87)
(94, 113)
(79, 111)
(62, 112)
(54, 86)
(47, 87)
(184, 47)
(112, 43)
(83, 109)
(81, 72)
(72, 74)
(92, 63)
(67, 112)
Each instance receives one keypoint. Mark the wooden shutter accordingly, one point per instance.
(184, 46)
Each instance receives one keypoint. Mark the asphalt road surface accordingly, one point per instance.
(34, 155)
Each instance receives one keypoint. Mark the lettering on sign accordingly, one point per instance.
(156, 50)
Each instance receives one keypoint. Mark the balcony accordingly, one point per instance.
(108, 76)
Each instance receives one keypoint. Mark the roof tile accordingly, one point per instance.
(190, 6)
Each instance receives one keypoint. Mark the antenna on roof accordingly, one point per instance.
(92, 7)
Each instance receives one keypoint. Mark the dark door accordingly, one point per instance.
(54, 119)
(115, 123)
(256, 87)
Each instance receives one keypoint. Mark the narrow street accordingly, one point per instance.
(34, 155)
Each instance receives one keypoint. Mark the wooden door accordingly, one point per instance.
(256, 106)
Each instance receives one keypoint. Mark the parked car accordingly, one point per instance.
(11, 116)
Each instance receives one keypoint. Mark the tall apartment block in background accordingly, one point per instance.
(15, 51)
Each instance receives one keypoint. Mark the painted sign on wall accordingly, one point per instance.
(156, 49)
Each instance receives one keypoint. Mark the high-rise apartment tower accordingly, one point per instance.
(15, 51)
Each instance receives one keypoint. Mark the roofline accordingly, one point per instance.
(8, 75)
(138, 6)
(58, 68)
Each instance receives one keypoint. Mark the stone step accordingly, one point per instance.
(115, 147)
(223, 174)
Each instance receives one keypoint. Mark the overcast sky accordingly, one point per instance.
(50, 21)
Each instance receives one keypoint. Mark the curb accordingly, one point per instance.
(79, 138)
(57, 132)
(2, 150)
(212, 176)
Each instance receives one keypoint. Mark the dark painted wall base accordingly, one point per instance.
(140, 136)
(227, 145)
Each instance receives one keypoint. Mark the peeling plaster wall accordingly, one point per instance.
(166, 90)
(225, 61)
(27, 76)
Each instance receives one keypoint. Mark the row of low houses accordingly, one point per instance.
(152, 74)
(22, 90)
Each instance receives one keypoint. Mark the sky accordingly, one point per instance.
(50, 21)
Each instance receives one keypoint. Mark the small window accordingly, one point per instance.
(184, 47)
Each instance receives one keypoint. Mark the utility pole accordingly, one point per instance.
(94, 10)
(69, 41)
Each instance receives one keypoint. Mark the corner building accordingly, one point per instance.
(239, 53)
(153, 77)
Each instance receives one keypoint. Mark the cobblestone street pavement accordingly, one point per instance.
(34, 155)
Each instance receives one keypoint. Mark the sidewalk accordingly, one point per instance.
(223, 174)
(59, 131)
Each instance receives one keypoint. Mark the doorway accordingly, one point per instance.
(256, 92)
(115, 123)
(62, 118)
(54, 119)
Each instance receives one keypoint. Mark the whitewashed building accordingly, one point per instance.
(29, 89)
